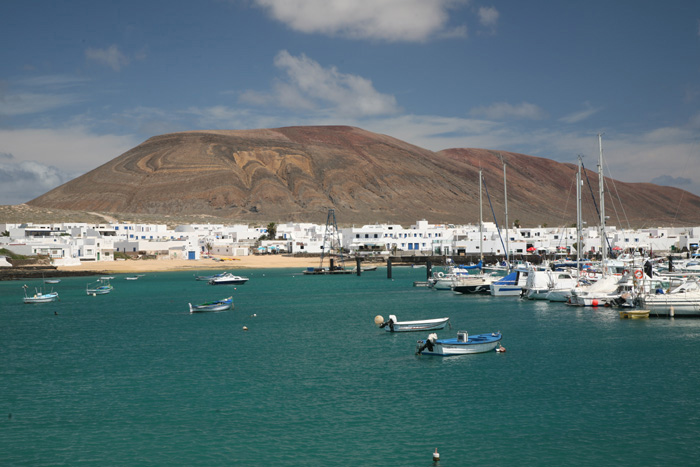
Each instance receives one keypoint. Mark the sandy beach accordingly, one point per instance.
(241, 262)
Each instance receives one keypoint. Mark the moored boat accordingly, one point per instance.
(40, 296)
(100, 287)
(394, 325)
(216, 305)
(228, 278)
(461, 345)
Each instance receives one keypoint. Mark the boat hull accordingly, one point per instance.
(212, 307)
(672, 304)
(480, 343)
(42, 298)
(423, 325)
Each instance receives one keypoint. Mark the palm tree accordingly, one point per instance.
(271, 231)
(208, 246)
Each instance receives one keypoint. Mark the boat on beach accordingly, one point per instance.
(394, 325)
(463, 344)
(216, 305)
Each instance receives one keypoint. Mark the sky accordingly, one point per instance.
(82, 82)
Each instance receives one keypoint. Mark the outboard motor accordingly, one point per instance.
(390, 322)
(428, 344)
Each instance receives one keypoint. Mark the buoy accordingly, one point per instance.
(500, 349)
(245, 328)
(436, 456)
(378, 320)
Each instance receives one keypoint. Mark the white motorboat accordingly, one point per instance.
(228, 278)
(394, 325)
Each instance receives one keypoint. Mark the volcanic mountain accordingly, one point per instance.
(299, 173)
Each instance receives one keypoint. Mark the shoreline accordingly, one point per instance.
(156, 265)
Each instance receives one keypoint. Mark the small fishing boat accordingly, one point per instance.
(101, 287)
(634, 314)
(132, 278)
(228, 278)
(216, 305)
(39, 296)
(461, 345)
(394, 325)
(52, 281)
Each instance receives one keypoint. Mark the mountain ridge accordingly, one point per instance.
(295, 174)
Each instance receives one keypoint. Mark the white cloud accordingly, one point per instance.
(581, 115)
(488, 17)
(503, 110)
(388, 20)
(309, 86)
(74, 150)
(22, 181)
(29, 103)
(111, 57)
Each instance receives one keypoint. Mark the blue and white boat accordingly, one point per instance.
(40, 296)
(216, 305)
(101, 287)
(461, 345)
(512, 284)
(394, 325)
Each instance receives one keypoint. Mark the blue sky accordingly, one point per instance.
(81, 82)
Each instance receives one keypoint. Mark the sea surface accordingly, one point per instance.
(132, 378)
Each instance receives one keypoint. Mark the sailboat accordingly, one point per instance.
(331, 246)
(476, 283)
(604, 290)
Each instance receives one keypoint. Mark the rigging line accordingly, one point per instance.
(685, 167)
(494, 215)
(607, 240)
(622, 206)
(566, 205)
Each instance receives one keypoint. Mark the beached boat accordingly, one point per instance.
(39, 296)
(394, 325)
(227, 279)
(100, 287)
(461, 345)
(216, 305)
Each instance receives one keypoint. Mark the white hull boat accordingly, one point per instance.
(394, 325)
(216, 305)
(463, 344)
(228, 279)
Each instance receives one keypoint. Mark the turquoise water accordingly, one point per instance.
(131, 378)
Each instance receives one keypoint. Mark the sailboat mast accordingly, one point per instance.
(481, 223)
(505, 195)
(578, 217)
(601, 196)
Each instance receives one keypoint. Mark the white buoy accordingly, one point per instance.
(378, 320)
(436, 456)
(245, 328)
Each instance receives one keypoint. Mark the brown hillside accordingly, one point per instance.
(298, 173)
